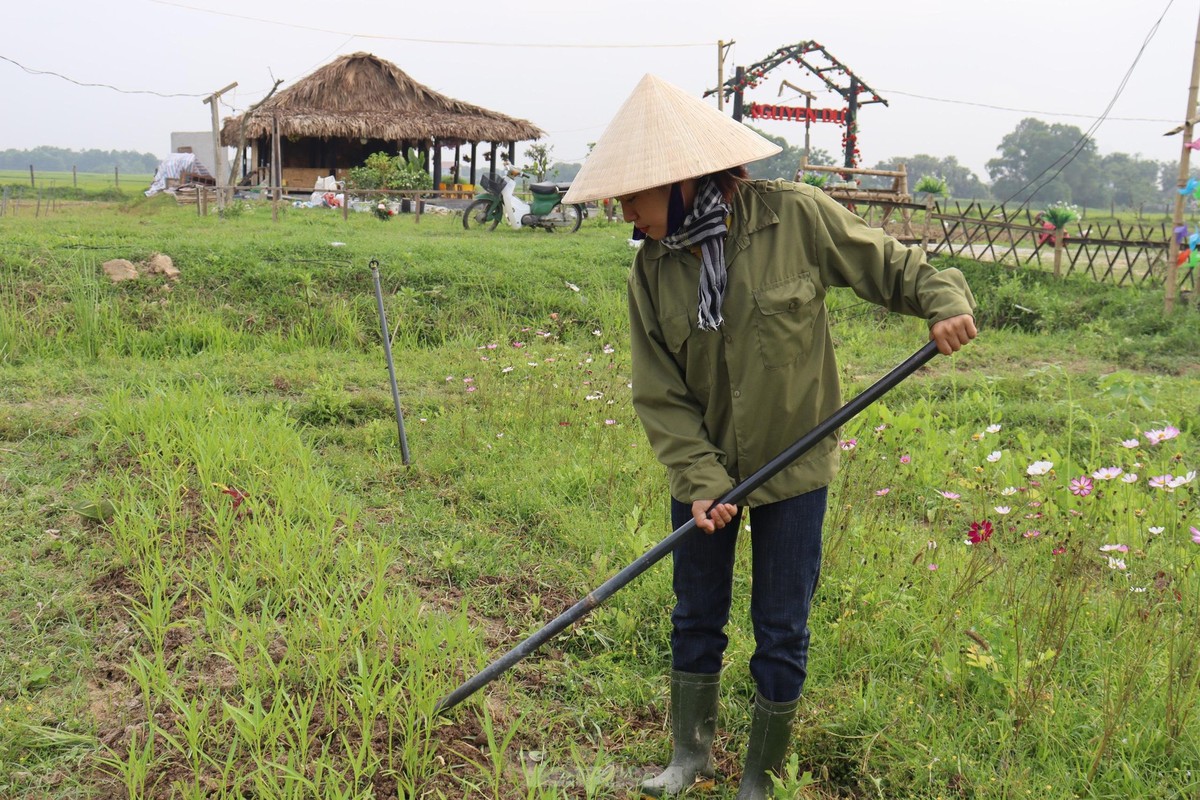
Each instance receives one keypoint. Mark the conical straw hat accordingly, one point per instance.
(659, 136)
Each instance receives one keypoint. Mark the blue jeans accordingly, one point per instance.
(785, 538)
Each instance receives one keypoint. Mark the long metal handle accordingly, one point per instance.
(735, 495)
(387, 351)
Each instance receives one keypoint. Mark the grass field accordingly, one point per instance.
(84, 185)
(218, 579)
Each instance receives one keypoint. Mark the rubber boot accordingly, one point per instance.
(693, 726)
(770, 734)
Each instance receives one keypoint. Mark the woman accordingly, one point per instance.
(733, 361)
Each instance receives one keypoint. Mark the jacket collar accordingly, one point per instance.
(749, 214)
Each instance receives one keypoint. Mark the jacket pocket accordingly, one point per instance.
(787, 311)
(676, 329)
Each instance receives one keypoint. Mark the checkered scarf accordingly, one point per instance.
(705, 226)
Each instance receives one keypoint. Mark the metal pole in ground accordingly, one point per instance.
(387, 350)
(735, 495)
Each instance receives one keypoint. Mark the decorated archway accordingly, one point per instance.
(814, 58)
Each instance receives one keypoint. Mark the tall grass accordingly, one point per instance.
(280, 602)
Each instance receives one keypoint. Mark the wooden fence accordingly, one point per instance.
(1132, 253)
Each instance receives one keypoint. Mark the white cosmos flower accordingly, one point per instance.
(993, 428)
(1040, 467)
(1008, 491)
(994, 456)
(1107, 473)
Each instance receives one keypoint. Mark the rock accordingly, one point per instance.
(119, 270)
(161, 264)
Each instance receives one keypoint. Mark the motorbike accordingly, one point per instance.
(498, 203)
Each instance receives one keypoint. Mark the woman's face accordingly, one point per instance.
(647, 210)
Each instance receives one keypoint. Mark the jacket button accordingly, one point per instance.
(737, 392)
(728, 339)
(793, 305)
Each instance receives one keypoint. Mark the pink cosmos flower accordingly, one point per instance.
(904, 459)
(1058, 551)
(1032, 534)
(883, 491)
(933, 567)
(1107, 473)
(949, 495)
(979, 532)
(881, 428)
(1116, 563)
(1161, 481)
(1081, 486)
(1129, 444)
(610, 422)
(848, 444)
(1180, 480)
(1195, 533)
(1162, 435)
(1114, 548)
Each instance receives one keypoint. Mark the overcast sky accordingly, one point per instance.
(1045, 59)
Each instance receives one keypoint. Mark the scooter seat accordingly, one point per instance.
(549, 188)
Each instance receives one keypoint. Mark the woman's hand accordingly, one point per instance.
(951, 334)
(710, 520)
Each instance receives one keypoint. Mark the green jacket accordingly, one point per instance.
(717, 405)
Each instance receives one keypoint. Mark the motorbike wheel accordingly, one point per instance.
(567, 217)
(477, 215)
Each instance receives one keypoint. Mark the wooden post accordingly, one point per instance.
(4, 202)
(276, 169)
(37, 212)
(1059, 235)
(474, 150)
(218, 154)
(74, 177)
(928, 220)
(117, 176)
(1189, 119)
(32, 182)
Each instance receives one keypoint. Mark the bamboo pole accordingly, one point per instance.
(1189, 119)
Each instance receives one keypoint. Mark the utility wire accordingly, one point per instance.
(1077, 148)
(32, 71)
(1022, 110)
(431, 41)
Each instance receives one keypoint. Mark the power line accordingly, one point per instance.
(526, 45)
(1077, 148)
(32, 71)
(1023, 110)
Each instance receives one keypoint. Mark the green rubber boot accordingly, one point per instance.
(770, 734)
(693, 726)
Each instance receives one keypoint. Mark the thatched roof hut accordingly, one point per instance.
(359, 104)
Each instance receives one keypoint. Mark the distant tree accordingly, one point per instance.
(58, 159)
(1031, 156)
(960, 180)
(785, 164)
(1130, 181)
(564, 172)
(539, 160)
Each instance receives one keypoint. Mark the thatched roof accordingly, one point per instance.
(363, 96)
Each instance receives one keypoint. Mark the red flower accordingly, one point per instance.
(979, 532)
